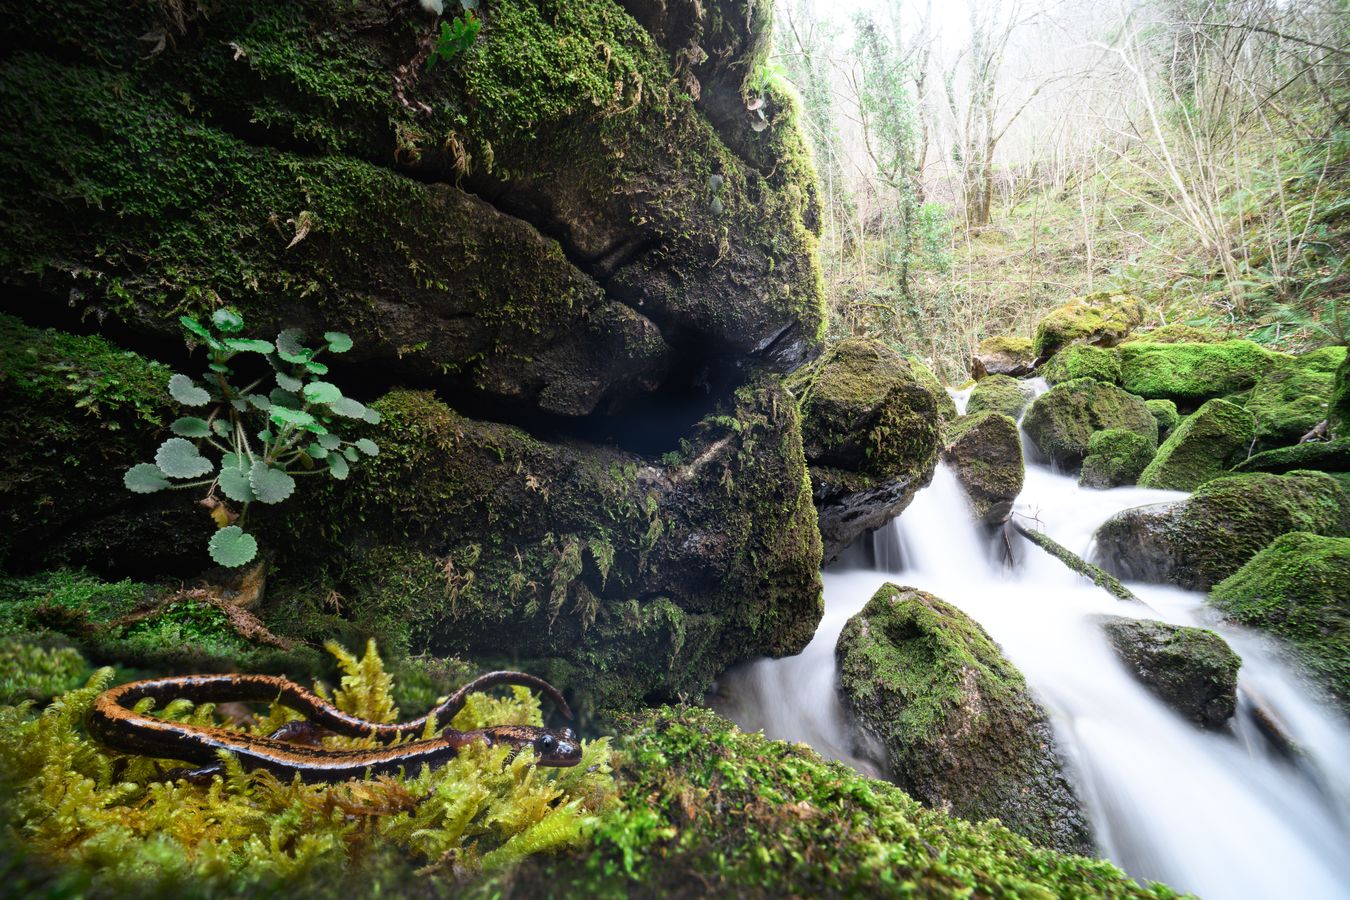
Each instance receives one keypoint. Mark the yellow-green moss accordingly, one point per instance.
(1082, 361)
(1190, 374)
(1205, 446)
(1115, 457)
(1100, 318)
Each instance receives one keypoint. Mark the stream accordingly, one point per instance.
(1224, 815)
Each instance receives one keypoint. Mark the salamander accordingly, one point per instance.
(114, 723)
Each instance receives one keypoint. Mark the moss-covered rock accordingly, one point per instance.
(1289, 401)
(1205, 446)
(1102, 318)
(1322, 456)
(924, 375)
(1001, 394)
(1062, 421)
(1003, 355)
(871, 434)
(75, 413)
(1338, 409)
(1299, 589)
(616, 578)
(985, 451)
(1190, 374)
(1115, 457)
(1201, 541)
(1178, 333)
(961, 731)
(1082, 361)
(1192, 670)
(1165, 411)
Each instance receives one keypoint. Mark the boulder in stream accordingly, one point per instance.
(985, 451)
(1115, 457)
(1190, 374)
(1003, 355)
(1165, 411)
(1289, 401)
(961, 730)
(1103, 319)
(1001, 394)
(1082, 361)
(1203, 447)
(1062, 421)
(1192, 670)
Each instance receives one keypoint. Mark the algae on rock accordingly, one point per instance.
(1190, 374)
(1205, 446)
(1062, 421)
(1003, 355)
(1082, 361)
(1103, 319)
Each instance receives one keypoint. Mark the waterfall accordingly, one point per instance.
(1220, 814)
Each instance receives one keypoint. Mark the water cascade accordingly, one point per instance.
(1222, 814)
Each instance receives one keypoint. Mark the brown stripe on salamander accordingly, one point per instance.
(116, 724)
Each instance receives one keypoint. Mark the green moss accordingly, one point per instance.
(925, 377)
(959, 727)
(1192, 670)
(1190, 374)
(1115, 457)
(1165, 411)
(1177, 333)
(1205, 446)
(34, 668)
(985, 450)
(1003, 355)
(1338, 409)
(1082, 361)
(1063, 420)
(1289, 401)
(999, 393)
(1296, 589)
(1100, 318)
(1323, 456)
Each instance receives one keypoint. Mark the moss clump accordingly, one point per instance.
(985, 450)
(1205, 446)
(113, 827)
(1165, 411)
(1289, 401)
(804, 827)
(1338, 409)
(1190, 374)
(1001, 394)
(1063, 420)
(1192, 670)
(1323, 456)
(924, 376)
(1296, 589)
(1082, 361)
(1003, 355)
(1102, 318)
(33, 668)
(1177, 333)
(960, 729)
(1115, 457)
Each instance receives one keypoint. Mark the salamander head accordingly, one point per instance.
(551, 748)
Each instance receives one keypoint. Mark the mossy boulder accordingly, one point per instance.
(985, 451)
(1205, 446)
(1115, 457)
(1165, 411)
(1289, 401)
(1062, 421)
(1082, 361)
(616, 578)
(960, 728)
(1103, 319)
(1190, 374)
(1199, 542)
(75, 413)
(1003, 355)
(1177, 333)
(924, 375)
(1338, 408)
(1298, 588)
(1322, 456)
(999, 393)
(871, 434)
(1192, 670)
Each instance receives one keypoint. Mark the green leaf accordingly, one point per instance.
(322, 392)
(337, 466)
(270, 485)
(248, 345)
(285, 416)
(372, 416)
(316, 368)
(240, 404)
(178, 458)
(145, 478)
(220, 368)
(185, 391)
(350, 453)
(289, 383)
(227, 321)
(190, 427)
(235, 485)
(346, 406)
(265, 435)
(221, 427)
(329, 441)
(337, 341)
(231, 461)
(260, 402)
(285, 398)
(316, 451)
(368, 447)
(290, 348)
(195, 327)
(232, 547)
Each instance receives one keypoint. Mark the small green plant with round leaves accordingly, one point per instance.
(283, 425)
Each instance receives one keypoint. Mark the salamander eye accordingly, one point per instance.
(547, 742)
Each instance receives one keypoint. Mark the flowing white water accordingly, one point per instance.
(1222, 815)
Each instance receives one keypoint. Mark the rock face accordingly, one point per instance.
(961, 732)
(1201, 541)
(1103, 319)
(1003, 355)
(1299, 589)
(1165, 411)
(985, 451)
(1205, 446)
(1115, 457)
(1190, 374)
(1289, 401)
(1192, 670)
(1063, 419)
(870, 431)
(1082, 361)
(1000, 394)
(532, 223)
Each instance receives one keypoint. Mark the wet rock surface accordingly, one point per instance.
(1062, 421)
(1192, 670)
(985, 451)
